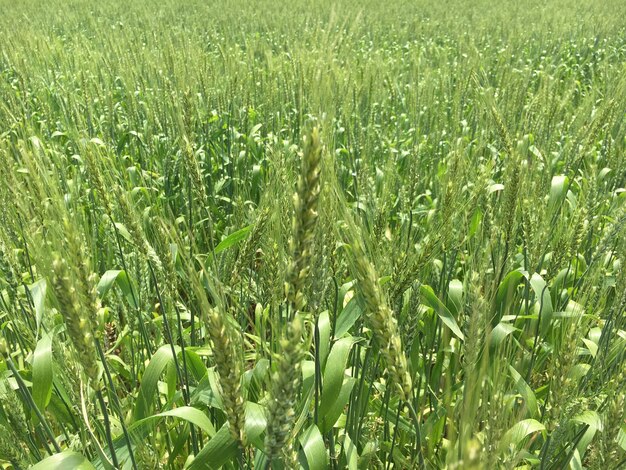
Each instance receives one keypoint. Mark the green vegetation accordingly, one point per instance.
(322, 235)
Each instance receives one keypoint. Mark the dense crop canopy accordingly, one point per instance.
(319, 235)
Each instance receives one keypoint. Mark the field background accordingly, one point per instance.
(446, 289)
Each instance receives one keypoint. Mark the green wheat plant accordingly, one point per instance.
(278, 235)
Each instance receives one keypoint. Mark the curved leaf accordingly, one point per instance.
(500, 333)
(515, 436)
(42, 374)
(122, 280)
(441, 310)
(37, 293)
(338, 407)
(324, 329)
(455, 295)
(506, 291)
(557, 191)
(334, 374)
(594, 422)
(526, 392)
(314, 448)
(222, 447)
(232, 239)
(64, 461)
(186, 413)
(348, 317)
(149, 382)
(544, 301)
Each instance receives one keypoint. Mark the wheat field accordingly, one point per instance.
(297, 235)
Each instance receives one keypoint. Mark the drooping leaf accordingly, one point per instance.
(441, 310)
(557, 191)
(337, 408)
(324, 327)
(516, 435)
(148, 388)
(526, 392)
(348, 317)
(594, 422)
(222, 447)
(314, 449)
(64, 461)
(455, 295)
(351, 453)
(119, 278)
(37, 291)
(506, 291)
(186, 413)
(42, 374)
(544, 301)
(334, 374)
(232, 239)
(500, 333)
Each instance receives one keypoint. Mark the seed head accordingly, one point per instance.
(382, 321)
(75, 307)
(226, 349)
